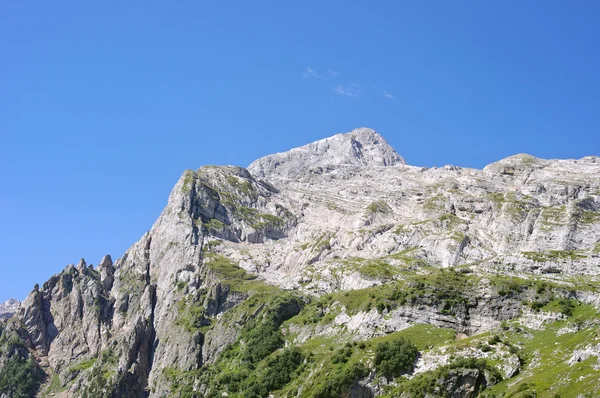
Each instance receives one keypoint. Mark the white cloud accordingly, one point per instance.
(353, 91)
(350, 90)
(310, 73)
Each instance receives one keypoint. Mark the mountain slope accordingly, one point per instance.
(8, 308)
(340, 252)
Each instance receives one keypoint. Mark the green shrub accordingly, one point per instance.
(536, 305)
(261, 338)
(396, 357)
(563, 305)
(495, 339)
(258, 381)
(261, 335)
(338, 383)
(432, 383)
(278, 372)
(20, 377)
(342, 355)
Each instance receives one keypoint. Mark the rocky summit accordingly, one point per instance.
(333, 270)
(8, 308)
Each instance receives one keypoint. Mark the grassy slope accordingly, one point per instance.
(327, 360)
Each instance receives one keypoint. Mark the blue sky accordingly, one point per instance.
(102, 106)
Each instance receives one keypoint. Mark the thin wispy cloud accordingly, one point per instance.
(353, 91)
(350, 90)
(387, 95)
(310, 73)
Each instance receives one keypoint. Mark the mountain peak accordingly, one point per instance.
(8, 308)
(359, 147)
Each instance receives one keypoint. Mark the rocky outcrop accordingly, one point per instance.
(8, 308)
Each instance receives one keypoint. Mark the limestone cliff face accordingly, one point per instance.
(310, 221)
(361, 147)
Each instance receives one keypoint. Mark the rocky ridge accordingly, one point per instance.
(8, 308)
(331, 250)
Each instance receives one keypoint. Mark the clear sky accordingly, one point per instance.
(102, 106)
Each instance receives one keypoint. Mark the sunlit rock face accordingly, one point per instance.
(8, 308)
(339, 218)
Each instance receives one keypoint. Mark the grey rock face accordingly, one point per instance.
(8, 308)
(361, 147)
(465, 383)
(311, 220)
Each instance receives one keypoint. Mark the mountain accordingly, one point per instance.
(333, 270)
(8, 308)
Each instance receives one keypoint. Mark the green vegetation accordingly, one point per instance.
(191, 313)
(435, 203)
(53, 387)
(102, 378)
(98, 384)
(458, 237)
(406, 258)
(257, 365)
(338, 370)
(400, 229)
(214, 225)
(509, 286)
(226, 269)
(552, 217)
(515, 205)
(214, 243)
(20, 377)
(436, 383)
(273, 374)
(269, 221)
(395, 358)
(261, 337)
(318, 244)
(447, 290)
(323, 242)
(370, 268)
(242, 186)
(496, 197)
(588, 217)
(451, 220)
(259, 221)
(378, 206)
(377, 269)
(192, 310)
(236, 196)
(527, 160)
(83, 365)
(188, 181)
(253, 365)
(562, 305)
(355, 301)
(441, 288)
(546, 354)
(554, 255)
(424, 336)
(338, 382)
